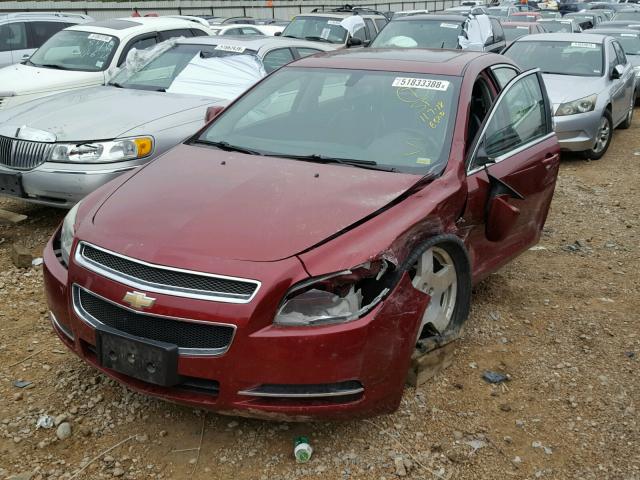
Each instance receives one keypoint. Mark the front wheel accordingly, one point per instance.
(603, 138)
(440, 268)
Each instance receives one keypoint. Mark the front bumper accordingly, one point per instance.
(365, 361)
(64, 185)
(577, 133)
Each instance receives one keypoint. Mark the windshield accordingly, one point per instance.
(400, 121)
(627, 16)
(630, 42)
(75, 50)
(512, 33)
(316, 28)
(561, 26)
(549, 14)
(582, 59)
(421, 34)
(523, 18)
(498, 12)
(161, 73)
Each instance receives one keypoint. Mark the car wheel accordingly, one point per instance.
(603, 137)
(627, 121)
(440, 268)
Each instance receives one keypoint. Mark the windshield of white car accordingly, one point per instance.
(76, 50)
(630, 42)
(582, 59)
(635, 16)
(419, 34)
(315, 28)
(393, 121)
(161, 72)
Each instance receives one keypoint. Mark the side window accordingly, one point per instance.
(277, 58)
(167, 34)
(498, 32)
(233, 31)
(361, 34)
(138, 44)
(13, 36)
(250, 31)
(622, 58)
(305, 52)
(40, 32)
(503, 75)
(380, 23)
(519, 117)
(612, 57)
(371, 28)
(479, 107)
(198, 33)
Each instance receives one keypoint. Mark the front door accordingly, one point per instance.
(511, 175)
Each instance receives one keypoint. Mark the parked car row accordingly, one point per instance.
(257, 223)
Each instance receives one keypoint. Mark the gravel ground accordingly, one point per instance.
(561, 320)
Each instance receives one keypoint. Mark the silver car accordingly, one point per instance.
(589, 81)
(630, 41)
(57, 149)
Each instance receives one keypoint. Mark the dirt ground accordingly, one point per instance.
(562, 320)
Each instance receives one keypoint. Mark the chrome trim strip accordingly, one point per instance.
(343, 393)
(515, 151)
(120, 277)
(87, 172)
(196, 352)
(59, 326)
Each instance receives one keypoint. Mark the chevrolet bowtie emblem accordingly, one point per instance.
(138, 300)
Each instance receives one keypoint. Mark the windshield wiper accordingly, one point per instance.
(115, 84)
(561, 73)
(317, 39)
(227, 147)
(55, 66)
(369, 164)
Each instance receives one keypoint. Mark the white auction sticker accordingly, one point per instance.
(629, 35)
(100, 38)
(522, 28)
(325, 33)
(566, 22)
(583, 45)
(441, 85)
(333, 22)
(449, 25)
(230, 48)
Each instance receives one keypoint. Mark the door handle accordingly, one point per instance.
(549, 160)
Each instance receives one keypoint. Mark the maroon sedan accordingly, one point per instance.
(286, 260)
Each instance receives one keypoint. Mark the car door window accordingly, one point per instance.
(380, 23)
(250, 31)
(622, 58)
(361, 33)
(233, 31)
(13, 36)
(612, 58)
(371, 28)
(503, 75)
(498, 32)
(481, 99)
(277, 58)
(305, 52)
(40, 32)
(198, 33)
(144, 43)
(518, 118)
(167, 34)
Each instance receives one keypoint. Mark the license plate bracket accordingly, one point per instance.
(11, 184)
(143, 359)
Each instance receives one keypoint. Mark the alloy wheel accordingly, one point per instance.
(436, 276)
(602, 137)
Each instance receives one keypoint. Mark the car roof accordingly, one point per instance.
(428, 17)
(140, 24)
(518, 24)
(525, 14)
(610, 30)
(253, 42)
(407, 60)
(565, 37)
(51, 16)
(340, 14)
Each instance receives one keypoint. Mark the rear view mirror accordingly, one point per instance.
(617, 72)
(212, 112)
(277, 34)
(354, 42)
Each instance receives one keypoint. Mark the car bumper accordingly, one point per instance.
(64, 185)
(577, 133)
(363, 362)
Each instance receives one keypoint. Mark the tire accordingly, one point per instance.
(599, 149)
(629, 118)
(449, 307)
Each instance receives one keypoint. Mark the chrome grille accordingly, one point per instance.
(166, 280)
(22, 154)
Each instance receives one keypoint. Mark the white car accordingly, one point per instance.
(86, 55)
(246, 29)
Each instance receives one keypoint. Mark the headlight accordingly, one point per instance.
(99, 152)
(335, 298)
(581, 105)
(68, 233)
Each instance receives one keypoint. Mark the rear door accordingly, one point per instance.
(628, 78)
(511, 175)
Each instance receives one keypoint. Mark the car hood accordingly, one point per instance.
(100, 113)
(21, 79)
(566, 88)
(207, 203)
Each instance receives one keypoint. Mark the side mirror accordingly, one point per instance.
(366, 43)
(482, 158)
(277, 34)
(354, 42)
(212, 112)
(617, 72)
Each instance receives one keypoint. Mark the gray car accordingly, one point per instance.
(630, 41)
(57, 149)
(589, 81)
